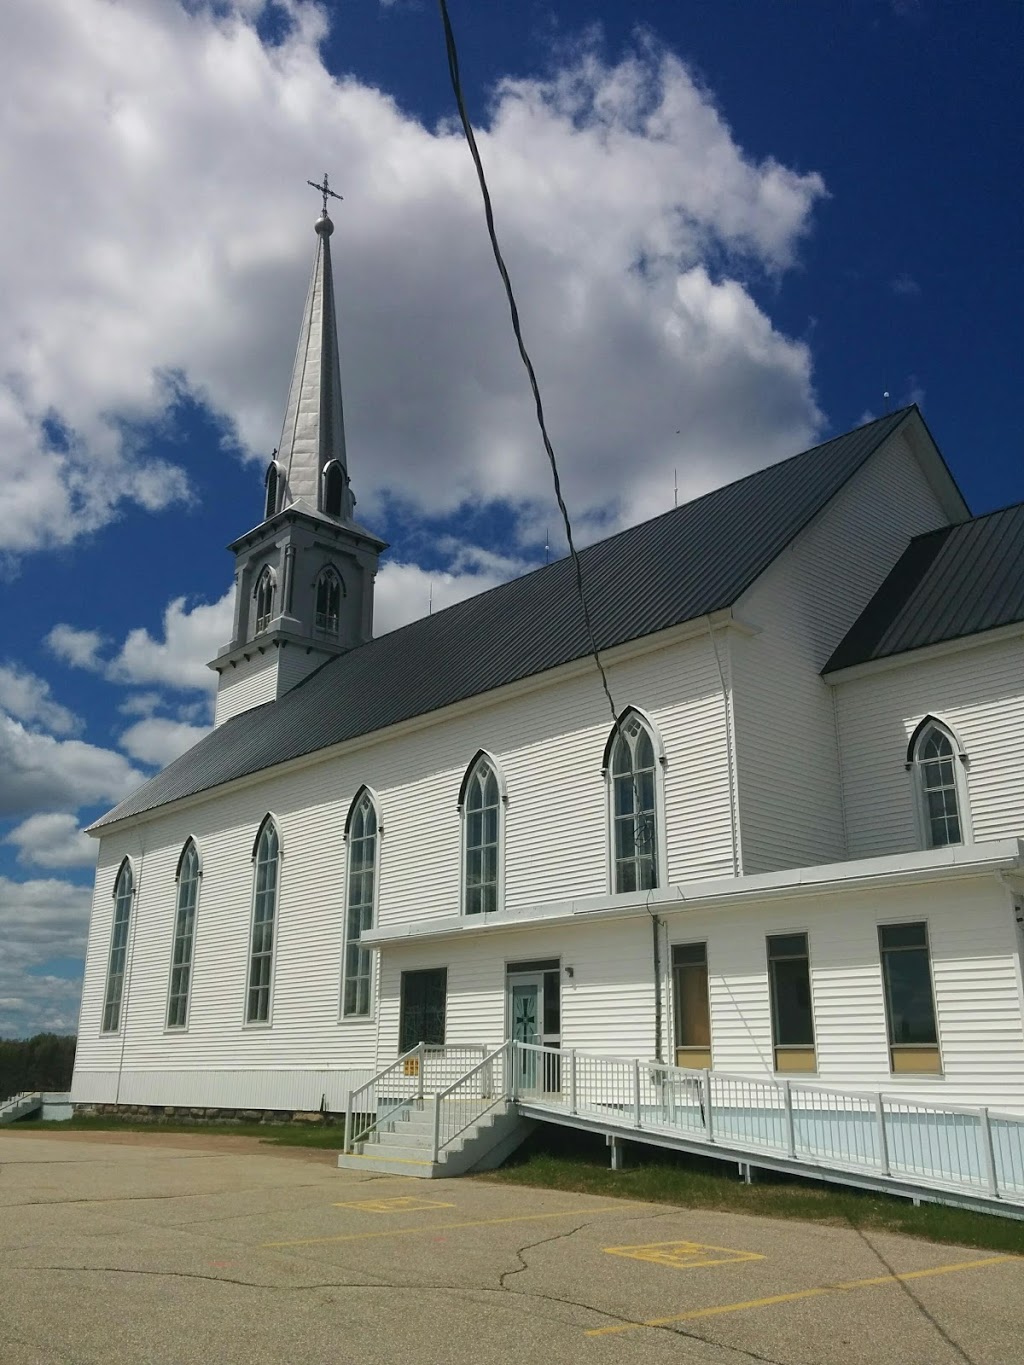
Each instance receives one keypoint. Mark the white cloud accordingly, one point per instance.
(177, 660)
(616, 186)
(39, 772)
(158, 740)
(28, 698)
(905, 284)
(405, 592)
(39, 921)
(53, 839)
(77, 647)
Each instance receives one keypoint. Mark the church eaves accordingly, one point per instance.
(687, 563)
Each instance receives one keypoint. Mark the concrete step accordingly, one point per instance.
(19, 1107)
(420, 1170)
(406, 1152)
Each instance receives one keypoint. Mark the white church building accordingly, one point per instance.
(794, 852)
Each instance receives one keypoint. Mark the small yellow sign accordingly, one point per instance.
(403, 1204)
(684, 1255)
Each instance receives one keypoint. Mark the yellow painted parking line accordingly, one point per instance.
(684, 1255)
(401, 1203)
(818, 1290)
(440, 1227)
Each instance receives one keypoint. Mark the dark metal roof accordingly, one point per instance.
(696, 559)
(949, 583)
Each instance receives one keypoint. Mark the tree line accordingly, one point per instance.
(44, 1062)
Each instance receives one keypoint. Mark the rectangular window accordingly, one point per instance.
(789, 985)
(909, 1003)
(422, 1016)
(692, 1007)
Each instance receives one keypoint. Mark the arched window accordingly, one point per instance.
(266, 863)
(264, 592)
(184, 936)
(937, 762)
(329, 592)
(334, 489)
(272, 482)
(124, 889)
(480, 802)
(630, 760)
(361, 833)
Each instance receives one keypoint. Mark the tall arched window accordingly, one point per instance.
(361, 834)
(266, 864)
(184, 936)
(329, 592)
(266, 587)
(937, 763)
(124, 889)
(480, 802)
(272, 482)
(630, 761)
(334, 489)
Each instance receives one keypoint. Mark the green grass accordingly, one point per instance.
(329, 1136)
(560, 1159)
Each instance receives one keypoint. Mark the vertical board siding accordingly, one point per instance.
(549, 744)
(289, 1089)
(787, 759)
(979, 694)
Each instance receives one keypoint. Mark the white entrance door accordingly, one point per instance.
(525, 1007)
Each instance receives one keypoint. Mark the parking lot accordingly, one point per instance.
(122, 1247)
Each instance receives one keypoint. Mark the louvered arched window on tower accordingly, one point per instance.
(263, 596)
(334, 489)
(272, 483)
(329, 592)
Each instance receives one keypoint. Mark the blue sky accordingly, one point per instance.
(732, 226)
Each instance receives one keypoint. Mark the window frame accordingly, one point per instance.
(915, 767)
(269, 821)
(660, 830)
(190, 845)
(326, 572)
(482, 758)
(271, 507)
(261, 624)
(125, 868)
(363, 794)
(691, 1049)
(796, 1054)
(894, 1049)
(333, 469)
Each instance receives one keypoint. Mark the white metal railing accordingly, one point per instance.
(423, 1070)
(973, 1150)
(468, 1099)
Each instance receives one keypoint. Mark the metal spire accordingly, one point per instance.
(313, 435)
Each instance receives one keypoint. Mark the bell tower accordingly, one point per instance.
(304, 576)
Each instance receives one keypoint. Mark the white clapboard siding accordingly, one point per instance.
(549, 743)
(286, 1089)
(978, 692)
(608, 1003)
(787, 761)
(251, 682)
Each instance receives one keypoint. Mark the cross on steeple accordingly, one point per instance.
(325, 190)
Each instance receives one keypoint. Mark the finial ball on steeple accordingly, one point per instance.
(323, 226)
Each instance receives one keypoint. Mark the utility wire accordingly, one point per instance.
(474, 151)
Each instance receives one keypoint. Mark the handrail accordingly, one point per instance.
(913, 1139)
(473, 1114)
(350, 1110)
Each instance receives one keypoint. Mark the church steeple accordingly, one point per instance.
(312, 463)
(304, 575)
